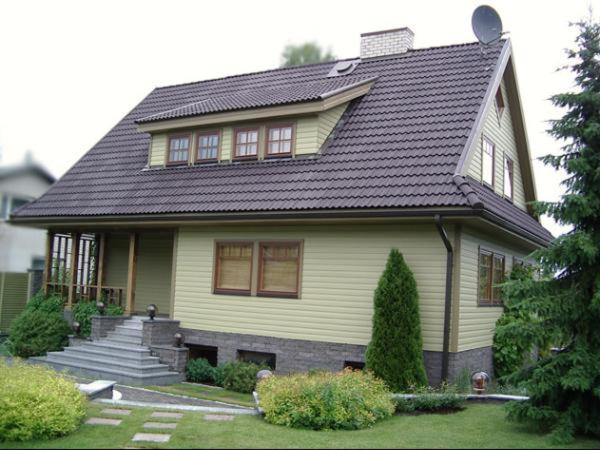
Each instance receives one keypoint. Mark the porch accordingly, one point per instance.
(131, 269)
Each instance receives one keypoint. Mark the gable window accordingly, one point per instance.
(279, 140)
(179, 148)
(279, 267)
(487, 162)
(499, 102)
(208, 146)
(491, 274)
(508, 178)
(233, 271)
(246, 143)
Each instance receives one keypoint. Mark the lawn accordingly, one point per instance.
(3, 349)
(206, 393)
(479, 426)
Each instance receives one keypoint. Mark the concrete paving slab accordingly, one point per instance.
(149, 437)
(167, 415)
(116, 412)
(160, 425)
(218, 418)
(103, 421)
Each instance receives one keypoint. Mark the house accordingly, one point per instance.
(258, 210)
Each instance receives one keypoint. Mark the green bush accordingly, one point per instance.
(37, 403)
(218, 375)
(46, 303)
(431, 400)
(240, 376)
(83, 312)
(35, 332)
(348, 400)
(199, 370)
(395, 353)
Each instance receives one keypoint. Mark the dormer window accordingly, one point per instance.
(246, 143)
(208, 146)
(179, 148)
(279, 140)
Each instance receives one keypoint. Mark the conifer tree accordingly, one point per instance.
(564, 386)
(395, 353)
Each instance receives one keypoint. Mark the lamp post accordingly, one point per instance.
(151, 310)
(101, 307)
(179, 339)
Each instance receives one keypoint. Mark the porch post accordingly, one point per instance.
(100, 274)
(73, 268)
(48, 261)
(131, 272)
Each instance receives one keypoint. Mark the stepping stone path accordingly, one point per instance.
(160, 425)
(166, 415)
(218, 418)
(116, 412)
(148, 437)
(103, 421)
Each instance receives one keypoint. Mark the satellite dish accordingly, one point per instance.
(487, 24)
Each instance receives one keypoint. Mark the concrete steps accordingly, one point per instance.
(120, 357)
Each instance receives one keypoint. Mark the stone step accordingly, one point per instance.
(120, 376)
(119, 349)
(122, 340)
(128, 331)
(80, 360)
(94, 352)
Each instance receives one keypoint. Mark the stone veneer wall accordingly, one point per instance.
(294, 355)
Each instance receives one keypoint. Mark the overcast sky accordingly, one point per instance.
(70, 70)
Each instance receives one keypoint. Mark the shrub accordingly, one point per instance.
(37, 403)
(431, 400)
(395, 353)
(218, 375)
(34, 333)
(240, 376)
(83, 312)
(199, 370)
(46, 303)
(348, 400)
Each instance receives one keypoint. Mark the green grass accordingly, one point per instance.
(3, 349)
(478, 426)
(207, 393)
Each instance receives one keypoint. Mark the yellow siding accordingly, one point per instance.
(341, 267)
(158, 149)
(116, 259)
(307, 136)
(327, 121)
(500, 132)
(226, 143)
(153, 283)
(477, 323)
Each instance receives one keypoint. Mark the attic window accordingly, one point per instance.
(487, 162)
(499, 102)
(279, 140)
(179, 148)
(208, 146)
(246, 143)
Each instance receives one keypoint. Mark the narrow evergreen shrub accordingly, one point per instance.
(84, 310)
(348, 400)
(37, 403)
(240, 376)
(199, 370)
(395, 353)
(35, 332)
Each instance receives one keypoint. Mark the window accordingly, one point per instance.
(499, 103)
(246, 143)
(279, 140)
(208, 146)
(279, 265)
(211, 354)
(17, 203)
(179, 149)
(233, 271)
(487, 162)
(508, 178)
(258, 358)
(491, 274)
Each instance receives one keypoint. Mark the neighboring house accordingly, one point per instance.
(259, 209)
(21, 248)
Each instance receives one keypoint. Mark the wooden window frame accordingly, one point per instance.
(172, 137)
(271, 126)
(263, 293)
(493, 303)
(485, 140)
(199, 134)
(512, 178)
(216, 268)
(236, 131)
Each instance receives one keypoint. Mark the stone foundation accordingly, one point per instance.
(102, 325)
(294, 355)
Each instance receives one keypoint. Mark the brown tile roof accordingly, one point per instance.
(396, 147)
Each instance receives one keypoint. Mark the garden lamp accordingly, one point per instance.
(152, 310)
(179, 339)
(480, 381)
(101, 307)
(76, 327)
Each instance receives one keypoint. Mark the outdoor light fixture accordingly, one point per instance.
(262, 374)
(101, 307)
(179, 339)
(152, 310)
(76, 328)
(480, 381)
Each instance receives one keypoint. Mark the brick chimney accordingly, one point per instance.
(386, 43)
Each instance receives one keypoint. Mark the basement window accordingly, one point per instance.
(259, 358)
(204, 351)
(354, 365)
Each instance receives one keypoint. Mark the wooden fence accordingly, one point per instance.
(14, 291)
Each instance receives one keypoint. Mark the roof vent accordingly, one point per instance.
(343, 68)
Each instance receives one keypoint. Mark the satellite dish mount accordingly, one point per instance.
(487, 25)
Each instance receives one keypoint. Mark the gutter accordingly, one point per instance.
(448, 296)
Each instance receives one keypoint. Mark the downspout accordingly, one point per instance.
(448, 299)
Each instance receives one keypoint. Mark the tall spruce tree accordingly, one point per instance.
(564, 387)
(395, 353)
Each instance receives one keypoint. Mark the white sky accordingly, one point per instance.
(70, 70)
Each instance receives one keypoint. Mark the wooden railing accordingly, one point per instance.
(114, 295)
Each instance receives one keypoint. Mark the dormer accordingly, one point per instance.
(281, 122)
